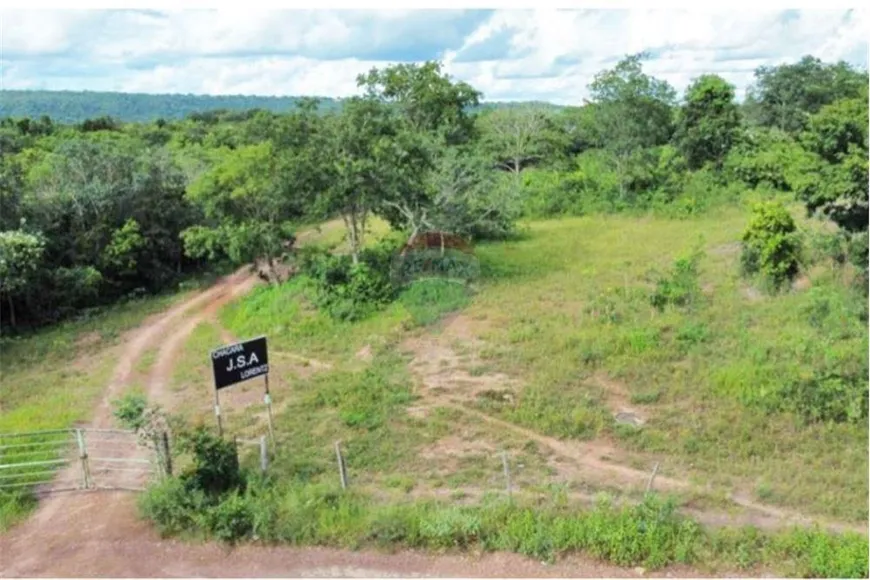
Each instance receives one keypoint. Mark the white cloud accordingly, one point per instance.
(538, 54)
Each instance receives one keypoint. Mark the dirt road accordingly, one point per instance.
(98, 533)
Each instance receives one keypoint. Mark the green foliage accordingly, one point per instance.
(124, 248)
(648, 534)
(679, 288)
(173, 507)
(129, 410)
(784, 96)
(215, 469)
(452, 264)
(708, 122)
(14, 507)
(769, 158)
(837, 186)
(348, 291)
(771, 246)
(634, 111)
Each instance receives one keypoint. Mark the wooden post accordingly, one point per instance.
(217, 413)
(507, 472)
(264, 456)
(652, 477)
(268, 401)
(83, 458)
(167, 458)
(342, 471)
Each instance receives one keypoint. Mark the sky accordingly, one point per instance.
(508, 54)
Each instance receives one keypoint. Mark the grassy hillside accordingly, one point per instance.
(562, 323)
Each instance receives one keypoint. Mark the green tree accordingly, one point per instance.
(373, 158)
(634, 111)
(708, 123)
(247, 218)
(785, 96)
(771, 245)
(516, 137)
(20, 258)
(428, 98)
(837, 184)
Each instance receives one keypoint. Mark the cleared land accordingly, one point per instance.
(557, 340)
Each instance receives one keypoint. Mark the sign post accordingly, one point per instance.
(236, 363)
(268, 401)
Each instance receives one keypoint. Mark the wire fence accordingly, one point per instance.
(78, 459)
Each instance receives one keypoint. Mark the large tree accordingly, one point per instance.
(633, 111)
(785, 96)
(708, 122)
(427, 98)
(837, 185)
(247, 218)
(373, 158)
(516, 137)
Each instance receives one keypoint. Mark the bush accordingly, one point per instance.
(215, 469)
(174, 507)
(680, 287)
(129, 410)
(232, 519)
(771, 246)
(348, 291)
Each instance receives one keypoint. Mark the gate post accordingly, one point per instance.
(167, 458)
(83, 458)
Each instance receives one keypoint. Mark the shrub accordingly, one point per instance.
(129, 410)
(348, 291)
(215, 469)
(173, 506)
(771, 246)
(232, 519)
(680, 287)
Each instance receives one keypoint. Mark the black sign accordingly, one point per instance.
(239, 362)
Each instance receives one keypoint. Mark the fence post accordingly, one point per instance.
(167, 458)
(264, 456)
(652, 477)
(507, 472)
(83, 458)
(342, 471)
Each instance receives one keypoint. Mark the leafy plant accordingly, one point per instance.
(679, 287)
(129, 410)
(771, 245)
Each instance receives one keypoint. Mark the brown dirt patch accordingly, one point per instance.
(365, 354)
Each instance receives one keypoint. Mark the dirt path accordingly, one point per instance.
(446, 383)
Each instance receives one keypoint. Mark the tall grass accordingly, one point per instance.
(650, 534)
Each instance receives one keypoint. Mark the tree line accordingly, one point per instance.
(102, 210)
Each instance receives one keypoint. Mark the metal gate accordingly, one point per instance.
(74, 459)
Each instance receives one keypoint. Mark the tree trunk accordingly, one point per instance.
(441, 235)
(11, 309)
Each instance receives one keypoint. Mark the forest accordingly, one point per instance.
(105, 210)
(77, 106)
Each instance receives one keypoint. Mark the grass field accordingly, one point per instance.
(52, 379)
(565, 313)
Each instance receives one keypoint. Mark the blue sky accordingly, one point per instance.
(548, 55)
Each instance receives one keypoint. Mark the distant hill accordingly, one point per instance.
(75, 107)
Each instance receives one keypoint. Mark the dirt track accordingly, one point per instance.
(98, 534)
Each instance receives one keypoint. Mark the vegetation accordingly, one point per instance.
(606, 256)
